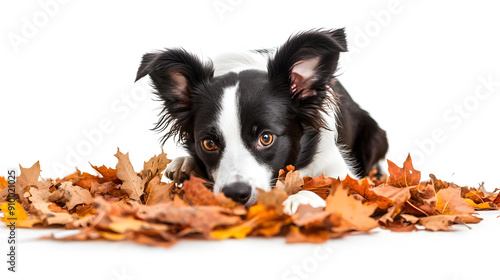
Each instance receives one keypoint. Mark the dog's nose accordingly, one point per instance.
(239, 192)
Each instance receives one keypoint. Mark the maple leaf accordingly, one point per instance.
(403, 177)
(347, 213)
(108, 174)
(363, 188)
(449, 202)
(132, 184)
(28, 176)
(320, 185)
(398, 195)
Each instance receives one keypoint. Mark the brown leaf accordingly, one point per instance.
(154, 167)
(423, 201)
(28, 176)
(320, 185)
(309, 216)
(158, 192)
(301, 235)
(71, 195)
(399, 226)
(132, 184)
(437, 223)
(398, 195)
(292, 182)
(202, 219)
(403, 177)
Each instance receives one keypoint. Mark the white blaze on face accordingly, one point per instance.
(237, 163)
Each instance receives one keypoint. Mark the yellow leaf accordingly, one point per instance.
(482, 206)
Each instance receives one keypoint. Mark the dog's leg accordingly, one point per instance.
(291, 204)
(181, 168)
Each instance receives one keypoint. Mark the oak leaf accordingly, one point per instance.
(154, 167)
(132, 184)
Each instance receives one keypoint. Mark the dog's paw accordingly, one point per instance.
(291, 204)
(180, 169)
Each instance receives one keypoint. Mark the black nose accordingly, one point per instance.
(239, 192)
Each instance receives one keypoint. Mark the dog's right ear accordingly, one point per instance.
(175, 74)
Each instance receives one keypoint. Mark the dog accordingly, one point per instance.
(244, 116)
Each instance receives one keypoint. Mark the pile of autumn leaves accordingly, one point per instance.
(120, 204)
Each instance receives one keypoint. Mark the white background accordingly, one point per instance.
(416, 66)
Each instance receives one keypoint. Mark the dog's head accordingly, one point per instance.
(243, 127)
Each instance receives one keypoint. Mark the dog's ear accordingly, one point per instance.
(307, 61)
(175, 74)
(304, 66)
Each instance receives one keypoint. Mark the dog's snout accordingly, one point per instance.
(239, 192)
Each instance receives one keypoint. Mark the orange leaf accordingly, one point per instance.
(3, 183)
(108, 174)
(197, 193)
(320, 185)
(449, 202)
(364, 190)
(349, 213)
(403, 177)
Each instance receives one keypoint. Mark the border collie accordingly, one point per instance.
(245, 116)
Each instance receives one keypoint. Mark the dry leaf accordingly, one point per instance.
(403, 177)
(132, 184)
(347, 213)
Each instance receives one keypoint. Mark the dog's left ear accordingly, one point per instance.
(306, 62)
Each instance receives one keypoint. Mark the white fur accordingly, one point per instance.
(292, 203)
(239, 61)
(237, 163)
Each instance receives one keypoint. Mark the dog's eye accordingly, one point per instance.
(266, 139)
(209, 145)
